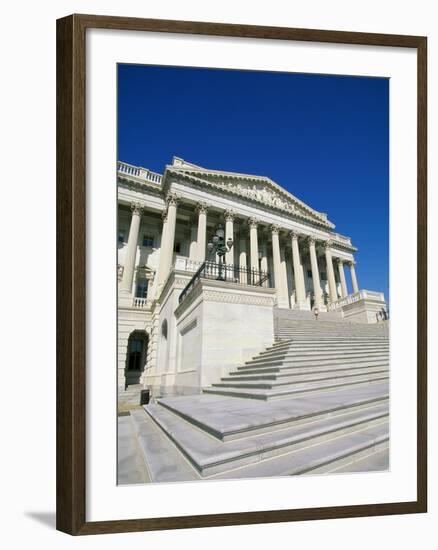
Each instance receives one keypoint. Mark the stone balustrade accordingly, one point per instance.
(139, 303)
(139, 172)
(355, 297)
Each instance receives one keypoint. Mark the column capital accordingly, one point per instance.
(275, 228)
(351, 262)
(340, 262)
(327, 244)
(137, 208)
(229, 215)
(201, 207)
(294, 235)
(253, 222)
(172, 198)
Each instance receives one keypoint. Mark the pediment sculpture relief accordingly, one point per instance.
(260, 193)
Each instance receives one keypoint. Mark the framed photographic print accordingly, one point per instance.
(241, 243)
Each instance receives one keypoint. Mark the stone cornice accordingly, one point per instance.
(131, 182)
(311, 217)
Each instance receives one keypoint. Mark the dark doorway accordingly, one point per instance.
(136, 357)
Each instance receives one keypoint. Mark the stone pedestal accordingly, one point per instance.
(210, 334)
(365, 306)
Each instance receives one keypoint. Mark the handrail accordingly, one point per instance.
(229, 273)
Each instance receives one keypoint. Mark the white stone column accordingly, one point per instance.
(317, 291)
(193, 241)
(229, 234)
(242, 258)
(282, 299)
(264, 256)
(253, 243)
(344, 289)
(131, 250)
(167, 241)
(300, 287)
(333, 293)
(201, 208)
(353, 277)
(284, 273)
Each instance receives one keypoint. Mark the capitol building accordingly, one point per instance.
(285, 255)
(246, 347)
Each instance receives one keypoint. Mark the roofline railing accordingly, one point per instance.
(139, 172)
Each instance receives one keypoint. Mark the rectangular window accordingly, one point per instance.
(324, 275)
(177, 248)
(121, 237)
(309, 273)
(142, 288)
(148, 241)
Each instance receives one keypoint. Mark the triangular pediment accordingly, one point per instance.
(256, 188)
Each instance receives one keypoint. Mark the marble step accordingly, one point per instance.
(246, 416)
(292, 389)
(324, 338)
(282, 334)
(317, 327)
(328, 325)
(210, 456)
(288, 355)
(319, 345)
(297, 371)
(377, 461)
(323, 354)
(163, 460)
(313, 362)
(319, 458)
(323, 343)
(332, 327)
(331, 334)
(235, 382)
(299, 381)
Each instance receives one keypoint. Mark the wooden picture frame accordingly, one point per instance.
(71, 273)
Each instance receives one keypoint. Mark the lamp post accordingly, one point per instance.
(218, 246)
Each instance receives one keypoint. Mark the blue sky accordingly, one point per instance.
(323, 138)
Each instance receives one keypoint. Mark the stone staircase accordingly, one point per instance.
(316, 401)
